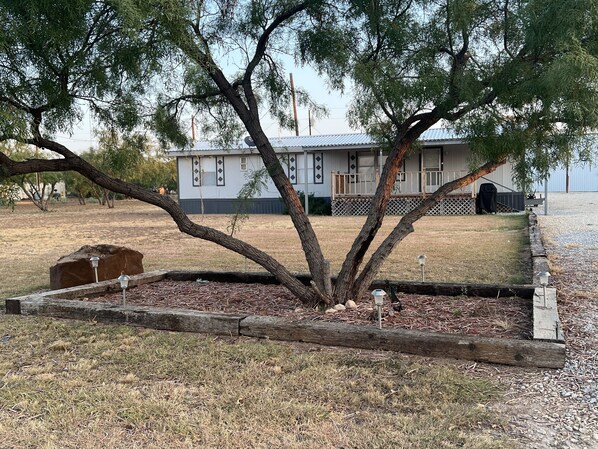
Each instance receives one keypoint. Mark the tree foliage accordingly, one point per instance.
(155, 172)
(130, 158)
(10, 194)
(517, 78)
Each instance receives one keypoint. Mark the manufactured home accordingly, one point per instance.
(343, 169)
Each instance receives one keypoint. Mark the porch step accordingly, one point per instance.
(502, 208)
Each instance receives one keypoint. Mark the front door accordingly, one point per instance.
(432, 167)
(366, 171)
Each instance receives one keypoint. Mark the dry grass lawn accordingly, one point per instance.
(485, 249)
(66, 384)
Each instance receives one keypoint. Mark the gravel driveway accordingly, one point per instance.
(559, 408)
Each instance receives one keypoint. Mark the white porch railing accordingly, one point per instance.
(407, 183)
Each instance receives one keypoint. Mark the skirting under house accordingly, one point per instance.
(453, 205)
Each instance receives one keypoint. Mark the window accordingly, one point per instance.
(243, 163)
(208, 171)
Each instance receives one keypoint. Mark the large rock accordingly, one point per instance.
(75, 269)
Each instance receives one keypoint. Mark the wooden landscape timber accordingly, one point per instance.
(424, 343)
(62, 304)
(152, 317)
(547, 325)
(538, 252)
(13, 305)
(411, 287)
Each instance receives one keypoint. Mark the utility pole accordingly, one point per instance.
(305, 165)
(309, 120)
(294, 106)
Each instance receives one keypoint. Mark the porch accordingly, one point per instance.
(351, 193)
(407, 183)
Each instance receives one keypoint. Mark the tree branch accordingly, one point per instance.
(405, 225)
(262, 43)
(8, 167)
(15, 104)
(403, 141)
(14, 168)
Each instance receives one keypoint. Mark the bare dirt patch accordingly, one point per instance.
(491, 317)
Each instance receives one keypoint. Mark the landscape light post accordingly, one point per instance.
(379, 295)
(95, 261)
(544, 282)
(124, 283)
(422, 265)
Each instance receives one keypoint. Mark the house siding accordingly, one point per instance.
(235, 179)
(582, 178)
(232, 206)
(223, 198)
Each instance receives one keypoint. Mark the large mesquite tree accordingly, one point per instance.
(518, 78)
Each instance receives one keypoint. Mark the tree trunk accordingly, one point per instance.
(405, 227)
(110, 199)
(249, 115)
(348, 274)
(32, 193)
(248, 112)
(307, 236)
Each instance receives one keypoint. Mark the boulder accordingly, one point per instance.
(75, 269)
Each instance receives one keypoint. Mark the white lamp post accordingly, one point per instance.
(95, 261)
(379, 295)
(422, 265)
(544, 282)
(124, 283)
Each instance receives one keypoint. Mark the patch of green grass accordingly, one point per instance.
(518, 279)
(73, 384)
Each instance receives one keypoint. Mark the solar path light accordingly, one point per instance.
(544, 282)
(422, 265)
(95, 261)
(124, 284)
(379, 295)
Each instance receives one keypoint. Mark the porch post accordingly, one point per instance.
(332, 185)
(546, 195)
(305, 178)
(379, 171)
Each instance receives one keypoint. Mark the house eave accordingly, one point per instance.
(299, 149)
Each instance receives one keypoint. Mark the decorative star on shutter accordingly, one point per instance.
(318, 168)
(220, 170)
(352, 165)
(196, 178)
(292, 169)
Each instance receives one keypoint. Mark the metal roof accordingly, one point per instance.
(331, 141)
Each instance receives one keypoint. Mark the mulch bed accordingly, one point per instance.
(490, 317)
